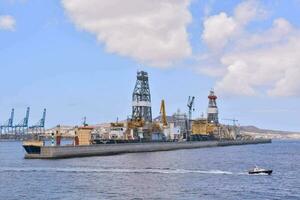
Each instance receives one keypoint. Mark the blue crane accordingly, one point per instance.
(8, 125)
(22, 127)
(39, 127)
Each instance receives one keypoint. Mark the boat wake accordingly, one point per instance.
(117, 170)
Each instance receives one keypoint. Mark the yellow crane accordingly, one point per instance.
(163, 113)
(138, 123)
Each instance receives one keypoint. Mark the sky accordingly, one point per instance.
(79, 58)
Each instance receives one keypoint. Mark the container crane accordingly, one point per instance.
(22, 127)
(8, 124)
(39, 127)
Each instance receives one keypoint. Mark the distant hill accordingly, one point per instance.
(258, 130)
(266, 133)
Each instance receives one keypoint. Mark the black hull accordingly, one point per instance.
(30, 149)
(269, 172)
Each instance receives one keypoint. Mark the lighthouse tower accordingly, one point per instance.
(212, 111)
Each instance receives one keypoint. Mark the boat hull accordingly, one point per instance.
(55, 152)
(269, 172)
(32, 146)
(32, 149)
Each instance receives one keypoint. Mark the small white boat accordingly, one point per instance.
(257, 170)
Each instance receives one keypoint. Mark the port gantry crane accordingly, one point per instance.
(190, 105)
(8, 125)
(39, 127)
(22, 127)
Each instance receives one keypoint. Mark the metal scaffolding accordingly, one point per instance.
(141, 98)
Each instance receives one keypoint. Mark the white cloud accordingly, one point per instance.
(219, 29)
(235, 80)
(268, 61)
(248, 11)
(152, 32)
(155, 33)
(7, 22)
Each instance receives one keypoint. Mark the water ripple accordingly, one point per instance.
(117, 170)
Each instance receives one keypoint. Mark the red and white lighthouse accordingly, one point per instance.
(212, 111)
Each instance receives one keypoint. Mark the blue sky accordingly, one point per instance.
(52, 58)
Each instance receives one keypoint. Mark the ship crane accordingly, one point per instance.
(190, 105)
(5, 127)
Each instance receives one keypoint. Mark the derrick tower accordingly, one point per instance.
(212, 111)
(141, 98)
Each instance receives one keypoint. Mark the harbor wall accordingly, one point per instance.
(56, 152)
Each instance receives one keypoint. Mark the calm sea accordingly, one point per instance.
(210, 173)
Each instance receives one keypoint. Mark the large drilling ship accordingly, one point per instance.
(141, 133)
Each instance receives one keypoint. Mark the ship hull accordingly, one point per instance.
(30, 149)
(269, 172)
(56, 152)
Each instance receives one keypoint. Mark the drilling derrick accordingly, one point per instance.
(212, 111)
(141, 99)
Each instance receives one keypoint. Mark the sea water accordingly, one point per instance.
(206, 173)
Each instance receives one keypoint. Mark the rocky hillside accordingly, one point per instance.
(272, 134)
